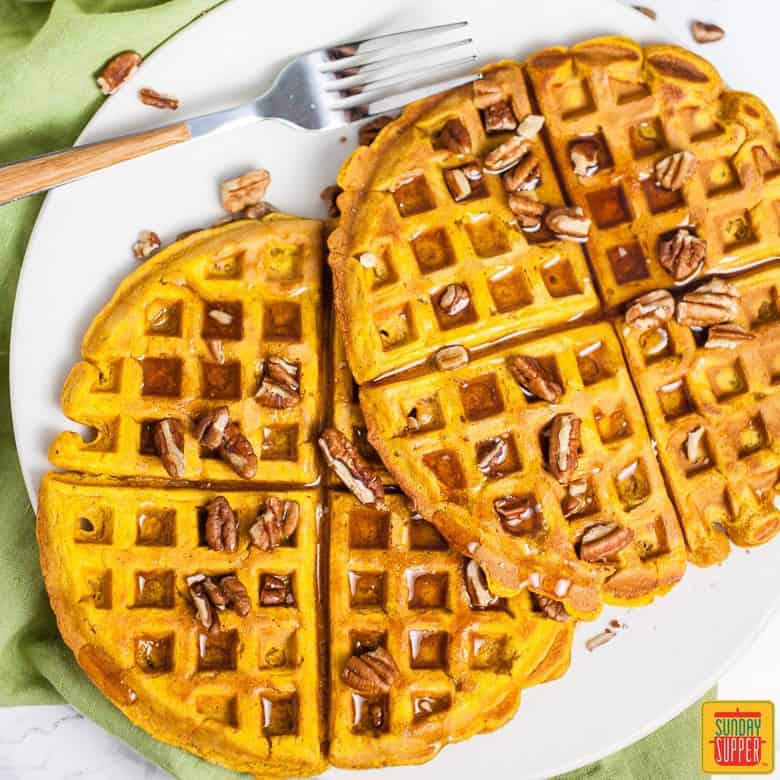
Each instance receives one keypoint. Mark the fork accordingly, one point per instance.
(320, 90)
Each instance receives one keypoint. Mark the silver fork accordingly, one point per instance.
(319, 90)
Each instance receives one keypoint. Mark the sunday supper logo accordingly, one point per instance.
(737, 737)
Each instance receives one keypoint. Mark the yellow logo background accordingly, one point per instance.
(730, 738)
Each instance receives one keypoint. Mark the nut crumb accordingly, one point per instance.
(706, 33)
(150, 97)
(148, 242)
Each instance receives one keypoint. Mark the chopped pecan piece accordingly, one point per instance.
(150, 97)
(673, 171)
(246, 190)
(530, 126)
(486, 93)
(205, 611)
(370, 130)
(526, 175)
(531, 375)
(551, 608)
(584, 157)
(280, 387)
(237, 451)
(650, 310)
(209, 428)
(148, 242)
(455, 137)
(519, 515)
(275, 524)
(648, 12)
(499, 118)
(235, 594)
(351, 468)
(682, 253)
(329, 197)
(221, 525)
(727, 336)
(461, 182)
(217, 350)
(564, 446)
(210, 595)
(275, 591)
(711, 303)
(529, 212)
(117, 71)
(168, 437)
(454, 299)
(477, 587)
(576, 499)
(706, 33)
(372, 673)
(507, 154)
(569, 224)
(693, 444)
(601, 541)
(222, 317)
(450, 358)
(491, 455)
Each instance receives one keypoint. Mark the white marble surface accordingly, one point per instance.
(56, 743)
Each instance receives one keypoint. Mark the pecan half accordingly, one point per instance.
(351, 468)
(569, 224)
(117, 71)
(650, 311)
(211, 595)
(486, 93)
(370, 130)
(329, 197)
(168, 435)
(531, 375)
(462, 182)
(728, 336)
(246, 190)
(148, 242)
(372, 673)
(235, 594)
(454, 299)
(221, 525)
(601, 541)
(693, 444)
(209, 428)
(499, 118)
(711, 303)
(450, 358)
(530, 126)
(706, 33)
(150, 97)
(584, 156)
(525, 176)
(682, 253)
(237, 451)
(673, 171)
(477, 587)
(275, 591)
(506, 155)
(564, 446)
(455, 137)
(275, 524)
(280, 387)
(529, 212)
(550, 608)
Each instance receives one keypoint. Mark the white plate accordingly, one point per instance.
(80, 249)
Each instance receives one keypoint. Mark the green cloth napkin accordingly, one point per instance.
(49, 54)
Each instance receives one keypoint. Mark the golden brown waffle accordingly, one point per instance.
(730, 490)
(394, 582)
(147, 354)
(116, 559)
(400, 219)
(469, 408)
(639, 106)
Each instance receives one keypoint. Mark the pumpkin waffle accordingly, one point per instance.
(404, 238)
(471, 410)
(715, 415)
(192, 330)
(116, 560)
(395, 583)
(634, 107)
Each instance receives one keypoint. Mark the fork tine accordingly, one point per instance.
(398, 101)
(388, 86)
(391, 39)
(372, 73)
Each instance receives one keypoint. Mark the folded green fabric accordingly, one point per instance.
(49, 54)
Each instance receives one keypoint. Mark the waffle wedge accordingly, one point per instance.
(395, 583)
(713, 407)
(191, 330)
(116, 560)
(408, 233)
(634, 107)
(480, 409)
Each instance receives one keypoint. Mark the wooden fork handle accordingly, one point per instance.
(25, 177)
